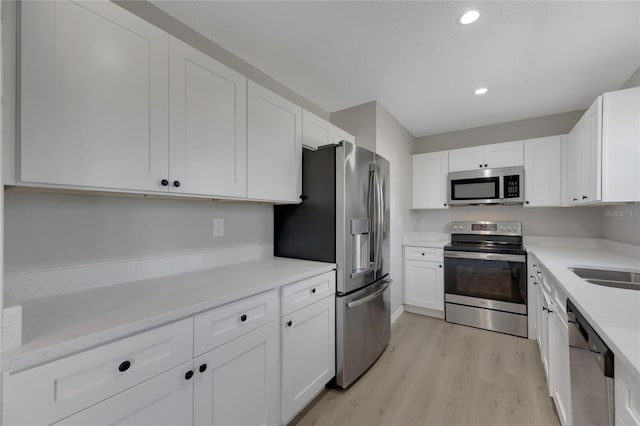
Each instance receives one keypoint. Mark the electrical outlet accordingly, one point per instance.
(218, 227)
(421, 221)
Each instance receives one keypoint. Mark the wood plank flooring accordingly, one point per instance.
(436, 373)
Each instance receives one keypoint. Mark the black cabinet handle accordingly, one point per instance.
(480, 165)
(575, 199)
(124, 366)
(544, 309)
(164, 182)
(584, 197)
(422, 254)
(313, 290)
(289, 323)
(485, 165)
(303, 197)
(188, 375)
(243, 318)
(439, 266)
(526, 202)
(203, 368)
(176, 183)
(445, 204)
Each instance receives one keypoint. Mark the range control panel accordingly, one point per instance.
(487, 228)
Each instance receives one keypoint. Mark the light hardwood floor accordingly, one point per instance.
(436, 373)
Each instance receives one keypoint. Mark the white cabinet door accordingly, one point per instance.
(93, 96)
(621, 146)
(627, 394)
(562, 378)
(315, 131)
(466, 159)
(543, 172)
(507, 154)
(429, 180)
(308, 354)
(165, 400)
(585, 156)
(274, 139)
(238, 384)
(424, 284)
(208, 119)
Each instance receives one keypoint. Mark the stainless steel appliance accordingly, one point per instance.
(343, 219)
(592, 376)
(486, 186)
(485, 276)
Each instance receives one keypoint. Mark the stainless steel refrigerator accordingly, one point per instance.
(344, 219)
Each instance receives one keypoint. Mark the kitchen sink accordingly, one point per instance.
(618, 279)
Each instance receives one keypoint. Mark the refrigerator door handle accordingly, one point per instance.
(371, 211)
(380, 220)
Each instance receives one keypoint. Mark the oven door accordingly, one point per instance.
(486, 280)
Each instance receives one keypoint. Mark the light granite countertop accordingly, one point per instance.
(60, 325)
(614, 313)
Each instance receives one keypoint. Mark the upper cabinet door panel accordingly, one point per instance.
(542, 168)
(315, 131)
(94, 97)
(466, 159)
(274, 144)
(429, 180)
(208, 117)
(507, 154)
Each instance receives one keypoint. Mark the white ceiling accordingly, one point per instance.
(536, 58)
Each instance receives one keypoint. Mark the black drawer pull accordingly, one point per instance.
(124, 366)
(188, 375)
(203, 368)
(313, 290)
(289, 323)
(243, 318)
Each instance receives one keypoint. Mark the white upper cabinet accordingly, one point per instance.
(317, 132)
(543, 171)
(585, 146)
(429, 180)
(208, 117)
(466, 159)
(94, 97)
(274, 146)
(507, 154)
(621, 145)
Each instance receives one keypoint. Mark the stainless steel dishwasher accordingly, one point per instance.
(591, 365)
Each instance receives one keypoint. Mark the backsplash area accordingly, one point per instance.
(45, 231)
(622, 223)
(541, 222)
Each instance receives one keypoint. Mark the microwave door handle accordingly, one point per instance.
(501, 189)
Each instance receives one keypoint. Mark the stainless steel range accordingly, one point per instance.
(485, 276)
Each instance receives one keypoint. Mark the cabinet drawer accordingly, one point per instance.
(220, 325)
(303, 293)
(44, 394)
(423, 253)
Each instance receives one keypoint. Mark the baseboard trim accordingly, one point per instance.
(396, 314)
(424, 311)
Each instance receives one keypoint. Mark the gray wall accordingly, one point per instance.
(394, 143)
(176, 28)
(504, 132)
(360, 121)
(54, 230)
(542, 222)
(634, 80)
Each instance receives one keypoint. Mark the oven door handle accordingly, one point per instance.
(518, 258)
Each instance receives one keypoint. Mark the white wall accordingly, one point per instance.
(542, 222)
(394, 143)
(55, 230)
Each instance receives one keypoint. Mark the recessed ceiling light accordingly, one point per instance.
(469, 17)
(481, 91)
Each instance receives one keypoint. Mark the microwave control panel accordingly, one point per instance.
(512, 186)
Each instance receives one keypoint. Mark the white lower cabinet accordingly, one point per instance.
(562, 383)
(627, 394)
(237, 383)
(308, 354)
(424, 280)
(165, 400)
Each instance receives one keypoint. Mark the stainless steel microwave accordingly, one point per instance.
(486, 186)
